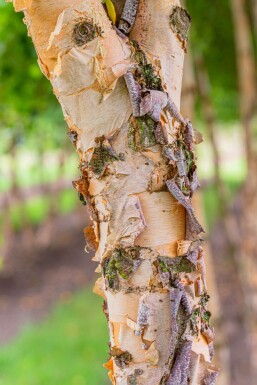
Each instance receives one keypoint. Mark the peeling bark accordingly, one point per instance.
(138, 175)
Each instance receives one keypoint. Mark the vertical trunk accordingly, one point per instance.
(254, 13)
(16, 196)
(248, 93)
(45, 231)
(204, 89)
(137, 177)
(189, 87)
(246, 73)
(247, 251)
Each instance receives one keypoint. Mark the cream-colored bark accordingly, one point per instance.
(136, 158)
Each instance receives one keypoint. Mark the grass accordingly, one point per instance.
(67, 349)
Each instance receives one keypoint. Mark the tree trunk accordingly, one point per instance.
(204, 89)
(254, 13)
(120, 97)
(246, 73)
(189, 87)
(248, 93)
(246, 252)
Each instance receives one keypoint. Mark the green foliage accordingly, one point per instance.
(211, 200)
(67, 201)
(35, 211)
(31, 118)
(212, 36)
(69, 348)
(27, 100)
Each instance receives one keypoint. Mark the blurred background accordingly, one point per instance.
(52, 330)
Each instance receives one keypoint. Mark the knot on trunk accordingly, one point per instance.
(85, 31)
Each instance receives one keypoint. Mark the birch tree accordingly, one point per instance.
(116, 69)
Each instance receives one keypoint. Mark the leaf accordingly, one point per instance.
(111, 10)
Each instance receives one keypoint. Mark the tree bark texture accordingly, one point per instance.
(120, 94)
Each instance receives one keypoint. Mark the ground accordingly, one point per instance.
(34, 280)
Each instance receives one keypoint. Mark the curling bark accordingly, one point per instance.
(138, 175)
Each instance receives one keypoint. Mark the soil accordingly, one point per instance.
(36, 278)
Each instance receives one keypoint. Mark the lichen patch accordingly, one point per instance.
(180, 24)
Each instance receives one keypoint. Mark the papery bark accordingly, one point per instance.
(139, 226)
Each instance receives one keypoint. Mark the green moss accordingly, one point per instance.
(141, 133)
(194, 320)
(176, 265)
(82, 199)
(183, 266)
(190, 163)
(110, 273)
(139, 55)
(120, 263)
(206, 316)
(152, 81)
(204, 299)
(145, 73)
(131, 138)
(132, 380)
(199, 314)
(102, 156)
(185, 190)
(163, 266)
(146, 126)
